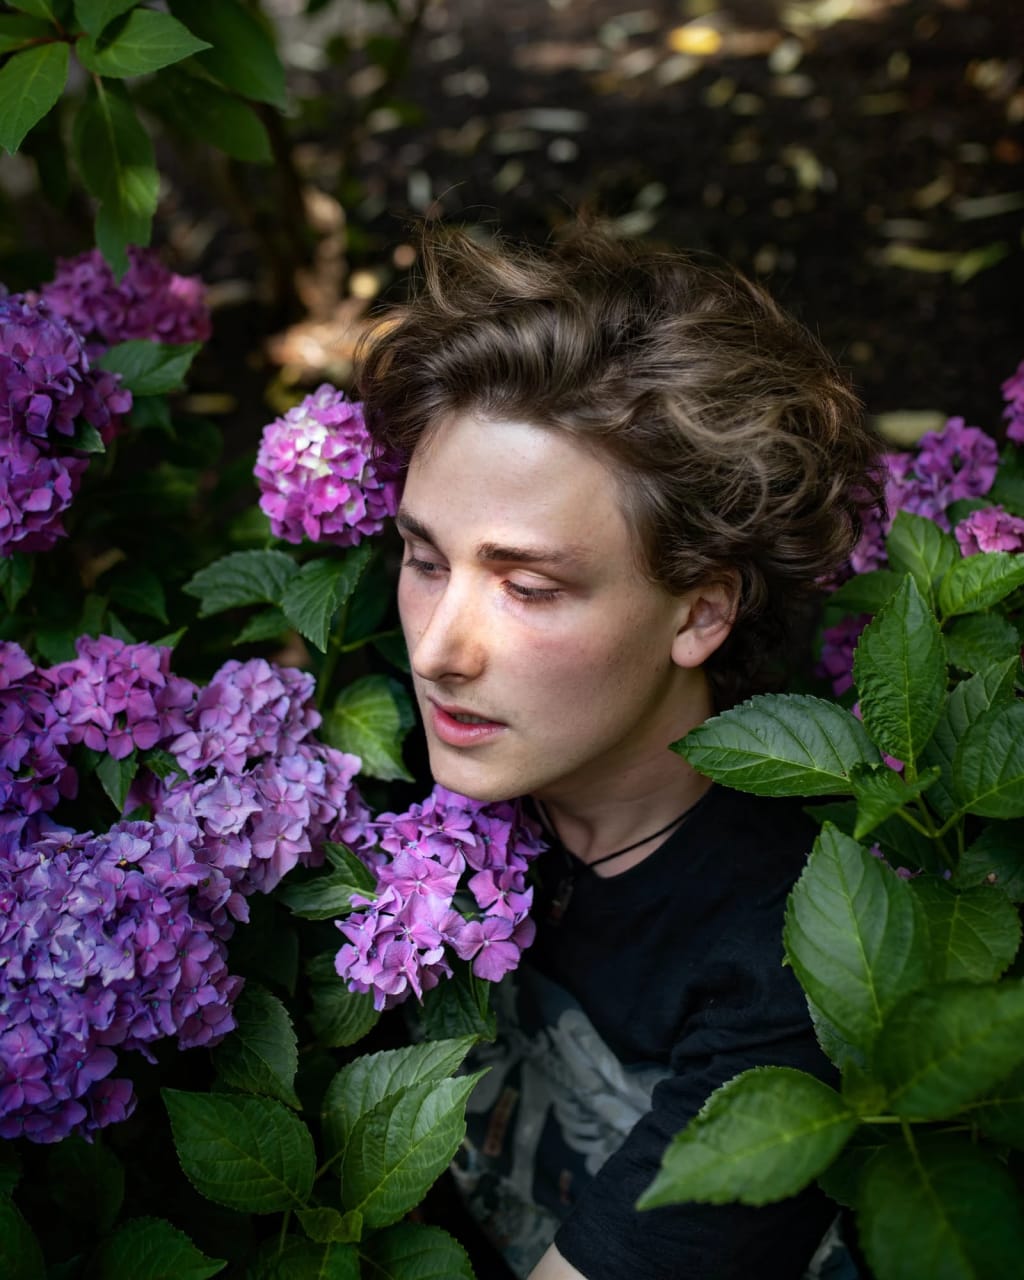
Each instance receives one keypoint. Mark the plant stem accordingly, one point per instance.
(286, 1218)
(335, 648)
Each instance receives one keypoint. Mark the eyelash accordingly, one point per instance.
(525, 595)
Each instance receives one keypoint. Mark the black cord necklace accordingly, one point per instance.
(562, 894)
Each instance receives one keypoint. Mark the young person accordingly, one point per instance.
(627, 470)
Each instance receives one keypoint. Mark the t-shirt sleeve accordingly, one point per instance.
(748, 1015)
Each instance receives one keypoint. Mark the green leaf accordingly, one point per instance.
(262, 1054)
(117, 776)
(367, 721)
(30, 83)
(978, 582)
(15, 578)
(968, 701)
(1008, 487)
(945, 1046)
(974, 933)
(299, 1259)
(760, 1138)
(270, 624)
(201, 109)
(138, 588)
(367, 1081)
(37, 8)
(328, 1226)
(1000, 1114)
(115, 159)
(459, 1007)
(899, 669)
(988, 772)
(866, 592)
(978, 640)
(780, 745)
(339, 1017)
(163, 764)
(152, 1249)
(854, 936)
(881, 792)
(250, 1154)
(324, 897)
(145, 42)
(93, 15)
(16, 31)
(950, 1211)
(86, 1182)
(21, 1258)
(86, 439)
(413, 1251)
(318, 590)
(343, 859)
(919, 547)
(995, 858)
(842, 1179)
(399, 1148)
(242, 55)
(150, 368)
(242, 577)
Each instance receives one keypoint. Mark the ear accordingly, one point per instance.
(706, 617)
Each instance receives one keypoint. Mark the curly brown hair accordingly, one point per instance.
(739, 445)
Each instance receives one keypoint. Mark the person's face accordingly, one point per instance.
(544, 661)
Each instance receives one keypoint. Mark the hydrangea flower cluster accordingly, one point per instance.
(451, 880)
(47, 387)
(956, 462)
(318, 476)
(1013, 394)
(837, 646)
(111, 941)
(990, 529)
(149, 301)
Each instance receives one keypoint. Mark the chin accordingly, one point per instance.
(472, 783)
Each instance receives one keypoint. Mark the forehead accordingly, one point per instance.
(502, 479)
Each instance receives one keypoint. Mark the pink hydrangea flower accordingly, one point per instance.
(318, 476)
(1013, 394)
(990, 529)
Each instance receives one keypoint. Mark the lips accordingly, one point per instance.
(461, 727)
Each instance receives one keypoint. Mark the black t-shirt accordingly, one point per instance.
(653, 987)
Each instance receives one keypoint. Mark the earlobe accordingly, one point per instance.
(707, 617)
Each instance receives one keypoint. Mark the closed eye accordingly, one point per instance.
(535, 595)
(426, 567)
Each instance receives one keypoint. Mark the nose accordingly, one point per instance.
(448, 644)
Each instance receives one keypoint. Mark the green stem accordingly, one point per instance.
(286, 1218)
(881, 1120)
(911, 821)
(335, 648)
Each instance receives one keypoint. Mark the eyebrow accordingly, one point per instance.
(497, 551)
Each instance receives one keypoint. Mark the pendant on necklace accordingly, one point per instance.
(560, 898)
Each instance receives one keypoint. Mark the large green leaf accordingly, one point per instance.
(319, 589)
(150, 368)
(152, 1249)
(328, 1226)
(881, 792)
(899, 669)
(17, 31)
(115, 158)
(243, 577)
(16, 573)
(999, 1114)
(86, 1182)
(413, 1251)
(978, 640)
(117, 776)
(201, 109)
(145, 42)
(262, 1054)
(339, 1017)
(399, 1148)
(93, 15)
(996, 858)
(327, 895)
(297, 1259)
(242, 56)
(866, 592)
(854, 935)
(782, 745)
(38, 8)
(21, 1258)
(988, 772)
(842, 1179)
(919, 547)
(367, 721)
(368, 1080)
(967, 702)
(30, 83)
(759, 1138)
(945, 1046)
(978, 582)
(974, 934)
(949, 1211)
(459, 1007)
(251, 1154)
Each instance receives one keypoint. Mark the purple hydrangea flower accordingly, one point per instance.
(990, 529)
(149, 301)
(837, 646)
(34, 773)
(397, 942)
(318, 476)
(1013, 394)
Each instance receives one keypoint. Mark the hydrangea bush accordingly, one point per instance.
(904, 930)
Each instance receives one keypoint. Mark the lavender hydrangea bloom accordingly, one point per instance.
(149, 301)
(1013, 394)
(990, 529)
(317, 474)
(397, 942)
(837, 646)
(34, 773)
